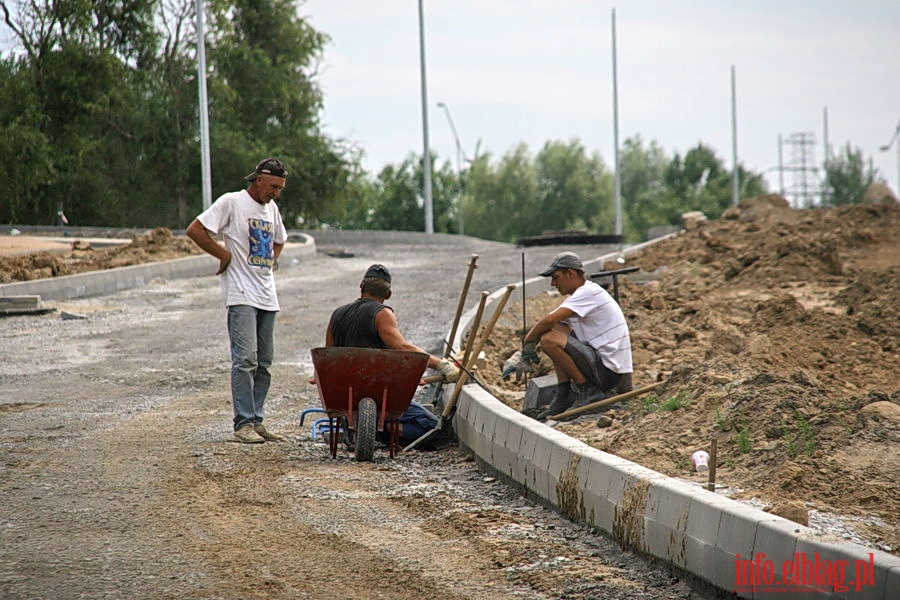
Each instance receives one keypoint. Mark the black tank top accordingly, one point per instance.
(353, 325)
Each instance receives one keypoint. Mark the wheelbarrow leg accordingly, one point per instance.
(394, 436)
(334, 425)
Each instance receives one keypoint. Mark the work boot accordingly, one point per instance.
(585, 394)
(562, 399)
(266, 434)
(247, 435)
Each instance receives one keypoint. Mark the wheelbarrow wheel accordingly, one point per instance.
(366, 426)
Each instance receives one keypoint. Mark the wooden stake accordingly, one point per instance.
(711, 482)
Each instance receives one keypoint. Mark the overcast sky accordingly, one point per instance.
(532, 71)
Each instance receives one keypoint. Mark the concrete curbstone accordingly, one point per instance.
(665, 527)
(684, 524)
(98, 283)
(777, 539)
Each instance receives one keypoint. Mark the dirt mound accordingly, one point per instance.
(79, 257)
(776, 333)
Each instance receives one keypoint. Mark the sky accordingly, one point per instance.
(533, 71)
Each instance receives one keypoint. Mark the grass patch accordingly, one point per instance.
(654, 403)
(804, 440)
(743, 440)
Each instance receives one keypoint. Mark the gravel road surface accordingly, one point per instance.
(118, 478)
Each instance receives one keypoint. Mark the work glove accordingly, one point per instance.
(515, 364)
(529, 353)
(449, 370)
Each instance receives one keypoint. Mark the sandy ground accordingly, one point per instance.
(777, 335)
(118, 478)
(11, 245)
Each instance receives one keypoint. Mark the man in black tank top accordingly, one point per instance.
(368, 323)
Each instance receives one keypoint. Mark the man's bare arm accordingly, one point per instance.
(546, 324)
(389, 332)
(197, 232)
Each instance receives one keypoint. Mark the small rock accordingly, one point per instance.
(70, 316)
(604, 421)
(793, 511)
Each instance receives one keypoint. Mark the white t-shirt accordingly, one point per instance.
(600, 324)
(250, 230)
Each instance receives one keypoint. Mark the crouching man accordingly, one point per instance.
(586, 338)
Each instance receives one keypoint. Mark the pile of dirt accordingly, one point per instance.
(80, 256)
(776, 332)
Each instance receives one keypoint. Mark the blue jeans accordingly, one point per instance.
(252, 348)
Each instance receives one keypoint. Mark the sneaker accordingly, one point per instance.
(267, 435)
(561, 402)
(247, 435)
(585, 394)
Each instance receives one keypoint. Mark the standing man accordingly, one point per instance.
(586, 337)
(368, 323)
(250, 223)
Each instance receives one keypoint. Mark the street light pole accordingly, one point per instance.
(459, 156)
(617, 178)
(426, 154)
(205, 171)
(895, 139)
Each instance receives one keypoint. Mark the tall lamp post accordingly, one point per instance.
(895, 139)
(205, 172)
(426, 154)
(460, 153)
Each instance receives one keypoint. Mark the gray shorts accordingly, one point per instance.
(594, 370)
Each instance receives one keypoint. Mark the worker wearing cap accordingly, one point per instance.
(368, 323)
(250, 224)
(586, 337)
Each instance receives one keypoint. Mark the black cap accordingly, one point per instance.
(268, 166)
(378, 272)
(563, 260)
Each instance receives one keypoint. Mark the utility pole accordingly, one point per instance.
(205, 171)
(617, 176)
(426, 154)
(735, 177)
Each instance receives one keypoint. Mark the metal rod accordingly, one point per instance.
(426, 153)
(617, 176)
(735, 177)
(204, 109)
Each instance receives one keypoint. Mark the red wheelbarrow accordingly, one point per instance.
(364, 391)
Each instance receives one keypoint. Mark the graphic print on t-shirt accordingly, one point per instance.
(262, 236)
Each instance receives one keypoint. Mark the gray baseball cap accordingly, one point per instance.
(378, 272)
(563, 260)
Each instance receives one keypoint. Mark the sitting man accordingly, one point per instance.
(586, 337)
(369, 323)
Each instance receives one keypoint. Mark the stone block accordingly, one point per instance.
(868, 574)
(538, 393)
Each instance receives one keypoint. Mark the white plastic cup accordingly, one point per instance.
(700, 460)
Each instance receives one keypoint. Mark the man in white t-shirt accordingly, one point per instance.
(250, 224)
(586, 337)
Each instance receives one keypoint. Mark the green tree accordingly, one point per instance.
(107, 93)
(574, 189)
(76, 70)
(701, 182)
(264, 103)
(846, 178)
(395, 200)
(642, 171)
(559, 188)
(502, 200)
